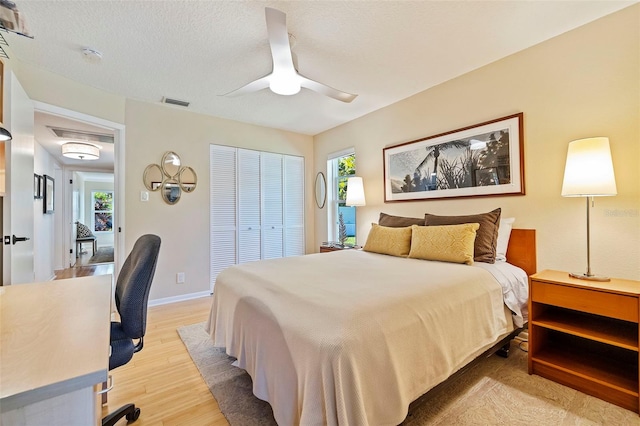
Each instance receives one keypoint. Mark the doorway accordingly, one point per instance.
(81, 180)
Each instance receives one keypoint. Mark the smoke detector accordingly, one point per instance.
(91, 55)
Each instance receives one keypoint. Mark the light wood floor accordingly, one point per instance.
(83, 269)
(161, 379)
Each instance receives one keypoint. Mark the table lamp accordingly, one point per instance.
(589, 173)
(355, 192)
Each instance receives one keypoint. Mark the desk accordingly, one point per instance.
(54, 350)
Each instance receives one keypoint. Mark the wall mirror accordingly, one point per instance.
(188, 179)
(171, 191)
(153, 177)
(171, 164)
(321, 190)
(170, 177)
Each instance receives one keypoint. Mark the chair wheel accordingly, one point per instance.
(132, 417)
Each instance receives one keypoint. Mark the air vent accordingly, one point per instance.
(81, 135)
(175, 102)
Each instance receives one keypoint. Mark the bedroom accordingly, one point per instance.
(580, 84)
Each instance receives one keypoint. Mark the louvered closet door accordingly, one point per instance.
(249, 238)
(293, 205)
(272, 209)
(223, 209)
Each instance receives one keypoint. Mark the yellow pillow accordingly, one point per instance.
(447, 243)
(391, 241)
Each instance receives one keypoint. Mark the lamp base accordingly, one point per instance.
(589, 277)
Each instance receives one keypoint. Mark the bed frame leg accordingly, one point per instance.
(504, 351)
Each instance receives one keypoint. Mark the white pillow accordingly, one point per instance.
(504, 232)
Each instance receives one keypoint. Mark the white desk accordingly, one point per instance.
(54, 349)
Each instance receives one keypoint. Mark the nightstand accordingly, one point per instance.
(584, 334)
(326, 249)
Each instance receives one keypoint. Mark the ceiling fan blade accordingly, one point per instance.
(326, 90)
(279, 40)
(254, 86)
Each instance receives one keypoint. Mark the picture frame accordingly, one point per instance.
(485, 159)
(37, 186)
(48, 189)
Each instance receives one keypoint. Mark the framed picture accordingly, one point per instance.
(485, 159)
(48, 192)
(37, 186)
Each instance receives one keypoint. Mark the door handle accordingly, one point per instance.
(19, 239)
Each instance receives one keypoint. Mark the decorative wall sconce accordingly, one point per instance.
(171, 178)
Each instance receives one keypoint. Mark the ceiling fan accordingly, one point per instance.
(285, 79)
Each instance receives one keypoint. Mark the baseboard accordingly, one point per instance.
(180, 298)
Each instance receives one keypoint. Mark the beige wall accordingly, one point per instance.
(184, 227)
(152, 129)
(581, 84)
(53, 89)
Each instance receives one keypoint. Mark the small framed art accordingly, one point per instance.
(48, 189)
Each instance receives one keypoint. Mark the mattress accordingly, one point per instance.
(352, 337)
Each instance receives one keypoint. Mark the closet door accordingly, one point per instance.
(249, 201)
(293, 205)
(223, 209)
(272, 208)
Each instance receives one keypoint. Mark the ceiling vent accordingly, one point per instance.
(175, 102)
(81, 135)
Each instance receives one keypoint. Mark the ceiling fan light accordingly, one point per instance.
(285, 84)
(80, 151)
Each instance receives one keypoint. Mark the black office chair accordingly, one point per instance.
(132, 293)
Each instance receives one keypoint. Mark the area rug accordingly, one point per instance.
(103, 255)
(496, 391)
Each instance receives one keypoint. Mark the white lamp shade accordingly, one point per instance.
(80, 151)
(355, 192)
(589, 169)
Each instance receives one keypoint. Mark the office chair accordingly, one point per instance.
(132, 293)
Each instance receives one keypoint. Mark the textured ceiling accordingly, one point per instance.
(195, 51)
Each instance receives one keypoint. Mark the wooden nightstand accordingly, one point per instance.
(584, 334)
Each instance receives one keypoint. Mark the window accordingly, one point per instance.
(340, 167)
(102, 211)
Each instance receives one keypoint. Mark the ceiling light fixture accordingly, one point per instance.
(5, 135)
(80, 151)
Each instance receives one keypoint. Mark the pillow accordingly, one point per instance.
(504, 232)
(399, 221)
(486, 237)
(447, 243)
(83, 231)
(387, 240)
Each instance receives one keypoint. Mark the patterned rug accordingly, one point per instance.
(495, 391)
(103, 255)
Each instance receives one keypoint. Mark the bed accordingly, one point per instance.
(353, 337)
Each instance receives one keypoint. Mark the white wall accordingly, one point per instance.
(44, 224)
(581, 84)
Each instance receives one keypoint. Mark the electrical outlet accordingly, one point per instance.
(144, 196)
(180, 278)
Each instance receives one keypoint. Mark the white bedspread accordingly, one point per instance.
(351, 337)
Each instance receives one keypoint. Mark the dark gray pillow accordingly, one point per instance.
(484, 248)
(399, 221)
